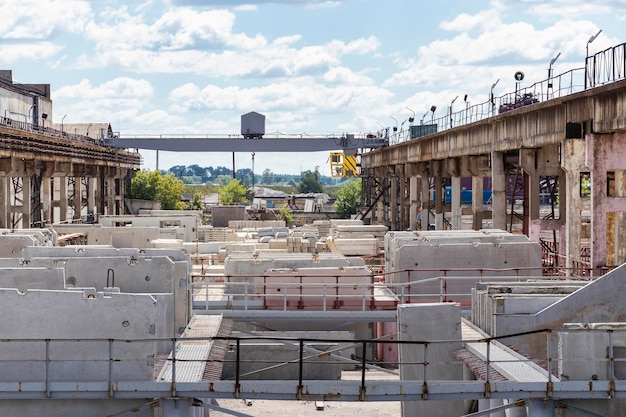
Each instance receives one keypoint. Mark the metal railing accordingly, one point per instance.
(64, 369)
(601, 68)
(252, 292)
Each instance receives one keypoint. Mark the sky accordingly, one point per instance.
(312, 67)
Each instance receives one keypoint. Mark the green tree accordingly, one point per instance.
(310, 182)
(232, 193)
(348, 199)
(151, 185)
(196, 202)
(223, 179)
(286, 215)
(267, 177)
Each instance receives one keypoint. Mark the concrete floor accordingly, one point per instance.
(263, 408)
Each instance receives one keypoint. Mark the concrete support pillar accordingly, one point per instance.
(5, 205)
(393, 204)
(439, 204)
(457, 213)
(423, 322)
(477, 203)
(426, 202)
(63, 203)
(528, 161)
(26, 199)
(498, 177)
(91, 196)
(46, 200)
(573, 204)
(78, 197)
(109, 196)
(415, 200)
(403, 203)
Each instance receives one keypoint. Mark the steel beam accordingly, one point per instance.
(240, 144)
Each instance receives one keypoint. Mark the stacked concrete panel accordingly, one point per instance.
(415, 256)
(245, 271)
(319, 288)
(150, 271)
(254, 224)
(216, 234)
(14, 242)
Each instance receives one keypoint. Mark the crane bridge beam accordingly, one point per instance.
(244, 144)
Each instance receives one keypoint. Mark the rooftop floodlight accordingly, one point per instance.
(395, 128)
(491, 97)
(412, 118)
(451, 103)
(552, 61)
(591, 39)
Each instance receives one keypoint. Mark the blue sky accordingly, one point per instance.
(310, 66)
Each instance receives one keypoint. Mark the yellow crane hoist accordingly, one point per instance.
(342, 165)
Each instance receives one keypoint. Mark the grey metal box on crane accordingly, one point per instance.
(252, 125)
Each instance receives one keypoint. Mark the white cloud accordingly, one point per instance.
(36, 20)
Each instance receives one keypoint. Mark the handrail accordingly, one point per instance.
(246, 292)
(51, 374)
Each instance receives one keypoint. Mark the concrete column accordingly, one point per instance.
(393, 204)
(109, 201)
(26, 206)
(498, 179)
(63, 203)
(415, 200)
(5, 205)
(528, 161)
(78, 197)
(439, 204)
(573, 204)
(46, 200)
(426, 202)
(91, 196)
(424, 322)
(457, 213)
(477, 203)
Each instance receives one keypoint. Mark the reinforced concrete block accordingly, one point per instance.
(430, 322)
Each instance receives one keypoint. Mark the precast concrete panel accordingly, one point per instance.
(331, 287)
(430, 260)
(25, 278)
(430, 322)
(583, 356)
(76, 315)
(12, 246)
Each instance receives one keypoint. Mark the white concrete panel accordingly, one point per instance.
(430, 322)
